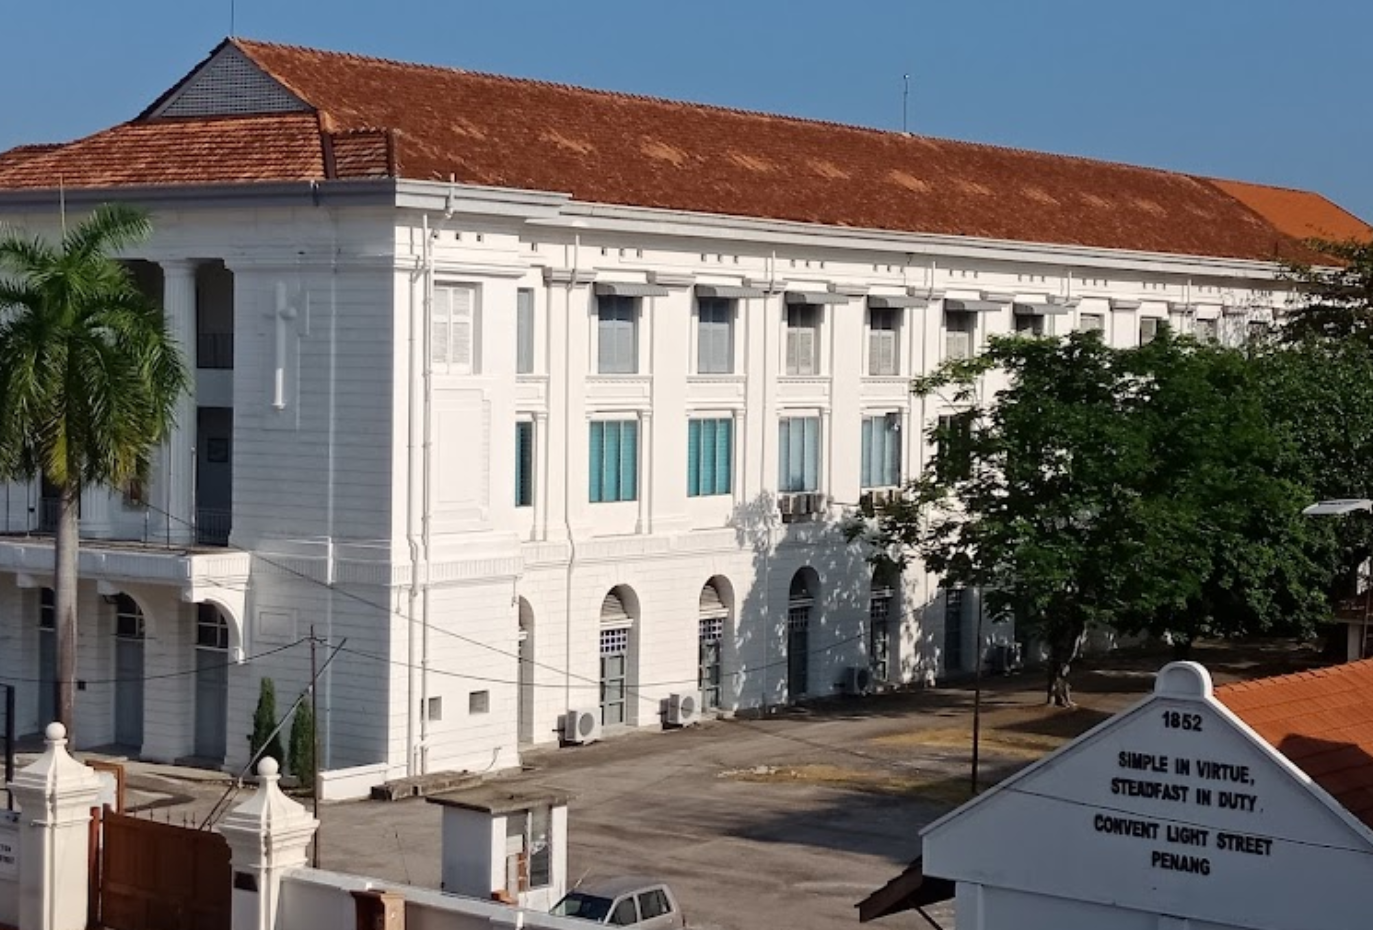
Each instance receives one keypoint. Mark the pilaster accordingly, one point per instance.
(178, 455)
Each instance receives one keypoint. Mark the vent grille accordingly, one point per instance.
(230, 85)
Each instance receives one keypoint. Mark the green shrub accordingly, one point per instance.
(264, 721)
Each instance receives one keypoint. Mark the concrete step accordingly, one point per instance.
(419, 786)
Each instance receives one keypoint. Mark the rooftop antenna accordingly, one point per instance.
(905, 98)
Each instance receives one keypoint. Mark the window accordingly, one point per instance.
(798, 454)
(47, 609)
(617, 334)
(1256, 330)
(803, 341)
(882, 451)
(880, 603)
(453, 333)
(953, 629)
(1092, 323)
(435, 709)
(883, 356)
(710, 456)
(614, 461)
(625, 914)
(540, 848)
(478, 702)
(1027, 324)
(1148, 329)
(653, 903)
(958, 333)
(524, 331)
(1208, 330)
(714, 336)
(128, 618)
(953, 452)
(524, 463)
(710, 635)
(211, 630)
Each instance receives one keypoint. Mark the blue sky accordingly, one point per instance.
(1273, 91)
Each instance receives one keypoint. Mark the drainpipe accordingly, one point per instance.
(416, 319)
(567, 489)
(329, 491)
(767, 541)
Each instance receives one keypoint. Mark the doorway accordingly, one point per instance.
(211, 683)
(799, 603)
(129, 630)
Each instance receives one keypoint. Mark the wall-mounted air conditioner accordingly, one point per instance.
(581, 726)
(857, 680)
(683, 710)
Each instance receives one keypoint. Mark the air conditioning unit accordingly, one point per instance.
(817, 502)
(784, 505)
(857, 680)
(581, 726)
(683, 710)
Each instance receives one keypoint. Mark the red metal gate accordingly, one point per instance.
(157, 876)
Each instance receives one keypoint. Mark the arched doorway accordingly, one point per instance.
(800, 599)
(883, 606)
(713, 617)
(211, 683)
(129, 632)
(525, 698)
(619, 611)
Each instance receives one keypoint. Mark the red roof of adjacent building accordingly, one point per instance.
(370, 118)
(1322, 721)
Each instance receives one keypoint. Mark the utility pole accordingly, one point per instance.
(977, 693)
(905, 98)
(9, 743)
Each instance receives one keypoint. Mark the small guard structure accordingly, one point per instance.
(1246, 807)
(505, 843)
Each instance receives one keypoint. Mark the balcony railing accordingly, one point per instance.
(212, 526)
(214, 350)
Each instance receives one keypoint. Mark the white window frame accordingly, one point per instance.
(616, 365)
(959, 341)
(717, 363)
(784, 457)
(792, 363)
(890, 424)
(884, 360)
(526, 333)
(455, 343)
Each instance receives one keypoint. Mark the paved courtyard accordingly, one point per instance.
(781, 822)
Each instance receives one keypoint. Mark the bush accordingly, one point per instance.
(264, 721)
(303, 746)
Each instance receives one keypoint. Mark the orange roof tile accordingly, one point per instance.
(377, 118)
(1300, 214)
(1322, 721)
(190, 151)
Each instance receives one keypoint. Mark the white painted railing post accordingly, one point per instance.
(55, 796)
(267, 836)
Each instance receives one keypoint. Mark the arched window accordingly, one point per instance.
(882, 609)
(714, 615)
(800, 599)
(619, 610)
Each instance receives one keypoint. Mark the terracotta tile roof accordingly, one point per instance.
(384, 118)
(1322, 720)
(622, 149)
(1300, 214)
(192, 151)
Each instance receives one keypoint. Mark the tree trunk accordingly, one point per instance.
(64, 606)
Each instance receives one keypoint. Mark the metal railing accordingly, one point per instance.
(214, 350)
(212, 526)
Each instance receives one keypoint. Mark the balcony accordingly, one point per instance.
(146, 529)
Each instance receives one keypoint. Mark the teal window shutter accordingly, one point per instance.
(629, 461)
(597, 458)
(610, 467)
(693, 458)
(724, 457)
(866, 445)
(810, 472)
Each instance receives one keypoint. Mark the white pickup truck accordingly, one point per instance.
(631, 901)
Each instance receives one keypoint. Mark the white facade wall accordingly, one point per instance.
(376, 494)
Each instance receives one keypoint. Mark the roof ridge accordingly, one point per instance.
(246, 45)
(1326, 671)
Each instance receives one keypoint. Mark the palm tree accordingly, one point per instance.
(89, 380)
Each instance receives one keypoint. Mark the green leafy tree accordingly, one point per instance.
(89, 381)
(266, 737)
(1335, 298)
(1030, 496)
(303, 745)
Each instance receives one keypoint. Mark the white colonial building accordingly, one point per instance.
(545, 402)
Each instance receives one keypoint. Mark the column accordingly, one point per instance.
(55, 794)
(177, 494)
(267, 836)
(541, 490)
(646, 471)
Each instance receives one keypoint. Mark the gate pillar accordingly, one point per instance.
(267, 836)
(55, 795)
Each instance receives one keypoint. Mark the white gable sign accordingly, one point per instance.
(1174, 807)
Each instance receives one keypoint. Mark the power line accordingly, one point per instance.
(188, 672)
